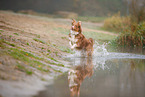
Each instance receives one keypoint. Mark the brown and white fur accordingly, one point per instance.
(78, 41)
(77, 75)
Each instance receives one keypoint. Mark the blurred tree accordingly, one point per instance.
(137, 10)
(82, 7)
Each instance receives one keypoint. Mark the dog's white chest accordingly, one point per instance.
(72, 39)
(72, 36)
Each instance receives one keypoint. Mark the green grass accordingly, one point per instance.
(52, 63)
(56, 53)
(24, 56)
(27, 43)
(52, 59)
(29, 72)
(65, 49)
(38, 36)
(16, 33)
(48, 50)
(29, 54)
(23, 31)
(22, 68)
(60, 65)
(43, 79)
(27, 58)
(99, 36)
(61, 30)
(10, 36)
(63, 37)
(38, 40)
(15, 53)
(12, 44)
(96, 36)
(43, 69)
(1, 30)
(2, 41)
(90, 19)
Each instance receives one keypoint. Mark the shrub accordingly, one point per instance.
(134, 36)
(132, 28)
(117, 23)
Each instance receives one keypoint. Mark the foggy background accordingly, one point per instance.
(81, 7)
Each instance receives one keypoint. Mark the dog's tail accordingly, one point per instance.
(91, 40)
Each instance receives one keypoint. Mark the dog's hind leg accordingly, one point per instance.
(83, 53)
(89, 52)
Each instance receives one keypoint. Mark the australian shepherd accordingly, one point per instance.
(78, 41)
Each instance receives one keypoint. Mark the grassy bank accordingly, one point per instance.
(32, 48)
(38, 44)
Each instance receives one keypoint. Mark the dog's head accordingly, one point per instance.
(76, 26)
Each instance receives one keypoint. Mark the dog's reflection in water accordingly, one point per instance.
(77, 75)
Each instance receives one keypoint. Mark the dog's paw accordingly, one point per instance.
(72, 48)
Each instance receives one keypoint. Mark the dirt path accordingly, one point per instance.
(32, 51)
(99, 31)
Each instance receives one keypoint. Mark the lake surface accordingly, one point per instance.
(103, 75)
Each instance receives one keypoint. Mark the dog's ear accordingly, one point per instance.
(73, 21)
(79, 25)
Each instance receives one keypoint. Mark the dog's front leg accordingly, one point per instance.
(70, 43)
(73, 46)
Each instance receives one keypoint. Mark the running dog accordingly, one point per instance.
(78, 41)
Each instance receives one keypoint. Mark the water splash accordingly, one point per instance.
(100, 50)
(101, 55)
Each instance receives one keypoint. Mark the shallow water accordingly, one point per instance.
(106, 74)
